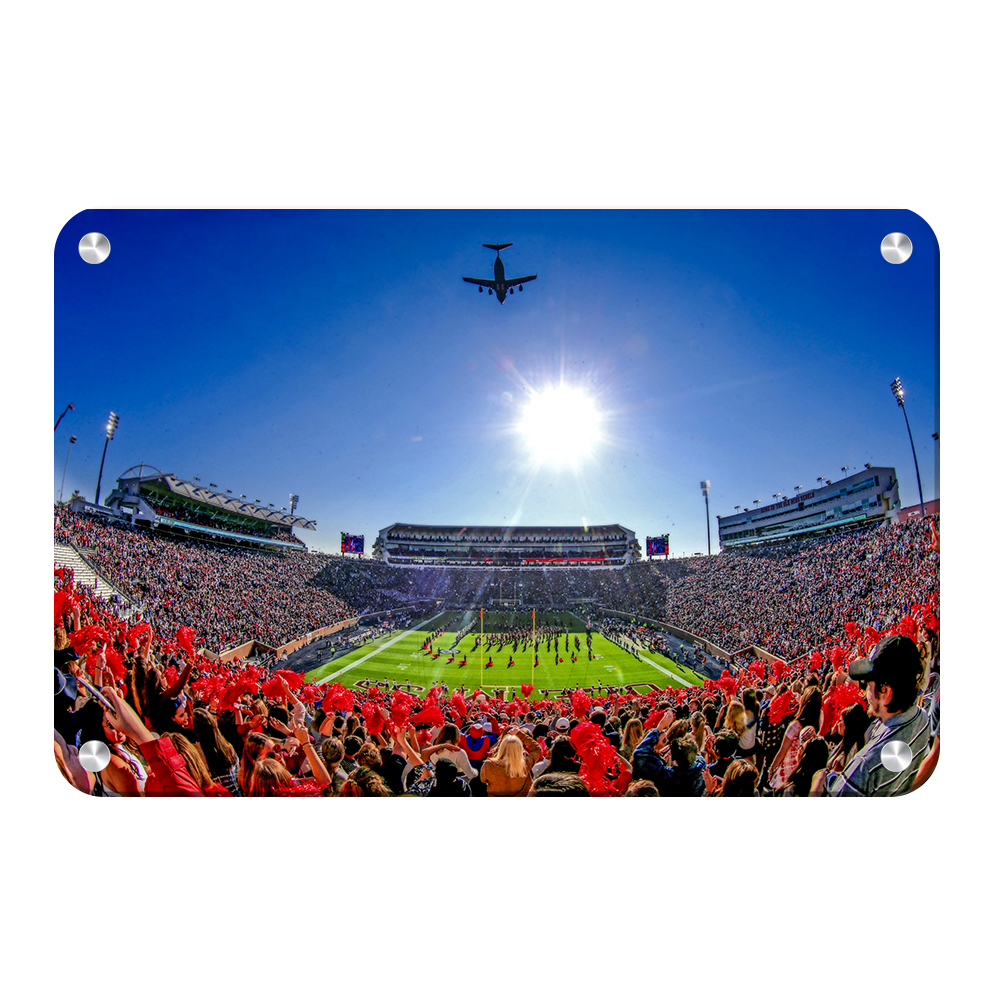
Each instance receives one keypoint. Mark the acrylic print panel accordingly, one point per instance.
(352, 503)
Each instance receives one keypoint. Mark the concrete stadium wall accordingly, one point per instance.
(676, 630)
(757, 653)
(304, 640)
(252, 647)
(242, 652)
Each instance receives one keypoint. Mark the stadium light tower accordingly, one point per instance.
(293, 499)
(72, 441)
(69, 406)
(705, 484)
(110, 433)
(897, 391)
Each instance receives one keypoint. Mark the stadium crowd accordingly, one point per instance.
(858, 613)
(228, 595)
(790, 598)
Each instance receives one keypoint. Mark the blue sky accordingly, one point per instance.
(338, 355)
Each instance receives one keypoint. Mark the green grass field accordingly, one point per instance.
(398, 656)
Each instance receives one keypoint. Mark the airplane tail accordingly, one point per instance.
(498, 246)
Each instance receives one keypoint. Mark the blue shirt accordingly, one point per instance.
(647, 763)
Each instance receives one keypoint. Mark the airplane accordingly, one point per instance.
(500, 284)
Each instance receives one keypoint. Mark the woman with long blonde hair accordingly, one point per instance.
(736, 718)
(268, 778)
(507, 770)
(631, 738)
(699, 730)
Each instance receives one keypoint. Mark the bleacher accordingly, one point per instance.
(67, 557)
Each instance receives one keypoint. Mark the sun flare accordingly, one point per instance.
(560, 424)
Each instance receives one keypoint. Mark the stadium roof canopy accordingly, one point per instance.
(165, 483)
(494, 529)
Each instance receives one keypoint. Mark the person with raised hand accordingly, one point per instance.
(168, 773)
(270, 777)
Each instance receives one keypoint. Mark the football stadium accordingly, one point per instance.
(489, 639)
(214, 627)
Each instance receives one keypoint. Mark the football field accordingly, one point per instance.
(398, 656)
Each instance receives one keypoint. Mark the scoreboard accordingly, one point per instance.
(658, 546)
(352, 543)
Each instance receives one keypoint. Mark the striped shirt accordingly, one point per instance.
(867, 775)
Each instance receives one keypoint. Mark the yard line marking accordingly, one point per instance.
(663, 670)
(385, 645)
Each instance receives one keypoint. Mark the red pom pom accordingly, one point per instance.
(599, 763)
(581, 703)
(847, 694)
(245, 683)
(401, 705)
(137, 634)
(209, 687)
(310, 693)
(82, 639)
(654, 719)
(839, 697)
(458, 704)
(782, 707)
(338, 699)
(779, 669)
(374, 722)
(872, 636)
(526, 689)
(272, 688)
(63, 605)
(185, 639)
(432, 716)
(907, 626)
(115, 664)
(293, 679)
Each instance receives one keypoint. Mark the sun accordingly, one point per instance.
(561, 425)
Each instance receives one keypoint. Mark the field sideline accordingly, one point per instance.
(398, 657)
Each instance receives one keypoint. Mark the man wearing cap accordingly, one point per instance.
(477, 742)
(892, 676)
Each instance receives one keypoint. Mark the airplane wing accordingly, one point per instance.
(517, 281)
(485, 282)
